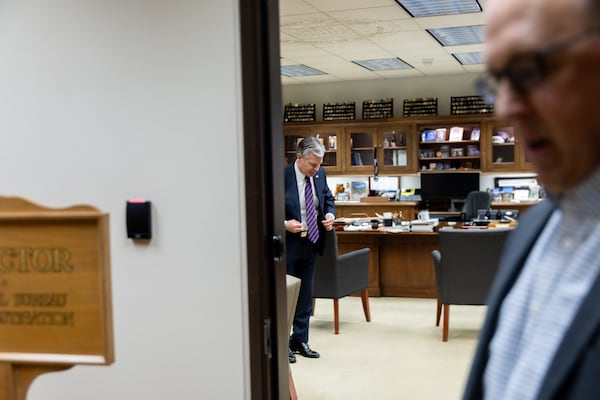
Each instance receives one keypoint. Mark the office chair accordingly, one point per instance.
(476, 200)
(465, 266)
(338, 276)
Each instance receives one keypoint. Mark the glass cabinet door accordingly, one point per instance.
(503, 147)
(505, 153)
(361, 151)
(291, 138)
(331, 139)
(394, 149)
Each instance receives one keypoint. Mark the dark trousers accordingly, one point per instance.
(301, 264)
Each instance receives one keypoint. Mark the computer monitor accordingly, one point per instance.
(439, 189)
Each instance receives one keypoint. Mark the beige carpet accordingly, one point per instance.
(398, 355)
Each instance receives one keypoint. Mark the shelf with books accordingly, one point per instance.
(450, 147)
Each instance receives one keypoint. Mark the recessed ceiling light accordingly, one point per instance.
(421, 8)
(383, 64)
(469, 58)
(458, 35)
(299, 70)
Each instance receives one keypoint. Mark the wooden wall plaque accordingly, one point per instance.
(55, 297)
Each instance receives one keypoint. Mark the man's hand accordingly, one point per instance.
(294, 226)
(328, 222)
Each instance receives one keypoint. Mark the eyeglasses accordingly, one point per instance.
(526, 70)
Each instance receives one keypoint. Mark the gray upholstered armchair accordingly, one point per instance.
(338, 276)
(465, 267)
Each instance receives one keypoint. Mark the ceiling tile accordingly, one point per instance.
(329, 34)
(334, 5)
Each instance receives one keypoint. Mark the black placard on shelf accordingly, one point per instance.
(299, 112)
(470, 105)
(377, 109)
(420, 107)
(339, 111)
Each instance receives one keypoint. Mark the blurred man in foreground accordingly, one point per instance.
(541, 337)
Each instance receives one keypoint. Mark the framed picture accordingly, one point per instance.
(456, 133)
(440, 135)
(475, 134)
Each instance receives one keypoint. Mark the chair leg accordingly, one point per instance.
(312, 312)
(365, 303)
(336, 316)
(439, 312)
(446, 318)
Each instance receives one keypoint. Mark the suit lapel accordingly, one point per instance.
(318, 183)
(293, 186)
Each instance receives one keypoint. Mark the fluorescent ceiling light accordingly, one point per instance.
(458, 35)
(383, 64)
(299, 70)
(426, 8)
(469, 58)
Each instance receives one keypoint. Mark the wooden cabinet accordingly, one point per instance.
(395, 152)
(330, 136)
(503, 150)
(353, 148)
(449, 145)
(360, 149)
(412, 144)
(293, 135)
(407, 210)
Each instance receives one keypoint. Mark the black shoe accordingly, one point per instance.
(304, 350)
(291, 356)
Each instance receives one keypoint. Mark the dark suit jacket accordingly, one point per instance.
(292, 205)
(574, 373)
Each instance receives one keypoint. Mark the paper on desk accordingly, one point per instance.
(431, 221)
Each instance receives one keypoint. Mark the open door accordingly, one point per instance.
(263, 149)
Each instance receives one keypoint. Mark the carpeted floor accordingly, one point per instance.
(398, 355)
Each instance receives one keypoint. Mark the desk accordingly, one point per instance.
(400, 264)
(521, 206)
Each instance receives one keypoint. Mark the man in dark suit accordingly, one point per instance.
(541, 335)
(309, 212)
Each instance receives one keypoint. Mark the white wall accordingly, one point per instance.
(101, 101)
(442, 87)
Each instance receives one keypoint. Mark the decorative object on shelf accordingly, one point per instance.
(469, 105)
(473, 150)
(339, 111)
(440, 134)
(376, 109)
(332, 142)
(299, 112)
(429, 135)
(456, 133)
(420, 107)
(475, 133)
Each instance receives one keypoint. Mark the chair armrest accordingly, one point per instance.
(437, 265)
(354, 254)
(353, 271)
(437, 258)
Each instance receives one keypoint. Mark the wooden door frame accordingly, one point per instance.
(263, 165)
